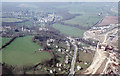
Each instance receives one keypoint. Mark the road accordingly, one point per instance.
(99, 51)
(98, 58)
(72, 69)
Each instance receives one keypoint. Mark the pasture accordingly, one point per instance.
(3, 40)
(26, 23)
(84, 20)
(22, 52)
(90, 8)
(68, 30)
(84, 57)
(10, 20)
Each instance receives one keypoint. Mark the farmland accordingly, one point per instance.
(109, 20)
(0, 57)
(26, 23)
(22, 51)
(78, 9)
(83, 57)
(89, 8)
(84, 20)
(10, 20)
(68, 30)
(3, 40)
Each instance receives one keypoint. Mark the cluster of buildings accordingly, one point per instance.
(43, 29)
(114, 65)
(102, 29)
(49, 18)
(107, 36)
(19, 13)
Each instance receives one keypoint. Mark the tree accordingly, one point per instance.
(7, 69)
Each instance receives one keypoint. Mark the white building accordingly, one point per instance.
(59, 50)
(51, 71)
(78, 67)
(67, 50)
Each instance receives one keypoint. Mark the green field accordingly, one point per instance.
(84, 57)
(84, 8)
(3, 40)
(22, 52)
(0, 57)
(26, 23)
(10, 20)
(80, 8)
(89, 7)
(68, 30)
(84, 20)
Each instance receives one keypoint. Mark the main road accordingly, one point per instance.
(72, 69)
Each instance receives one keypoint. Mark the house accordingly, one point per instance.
(79, 43)
(40, 49)
(48, 44)
(103, 47)
(54, 70)
(59, 50)
(85, 51)
(79, 67)
(57, 64)
(63, 52)
(60, 64)
(86, 63)
(59, 69)
(56, 46)
(70, 52)
(67, 50)
(52, 40)
(66, 60)
(51, 71)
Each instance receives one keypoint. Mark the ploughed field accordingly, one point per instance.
(68, 30)
(22, 52)
(109, 20)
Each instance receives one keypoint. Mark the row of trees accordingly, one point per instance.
(88, 42)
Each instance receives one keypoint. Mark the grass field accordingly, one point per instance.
(3, 40)
(78, 9)
(22, 52)
(89, 7)
(0, 57)
(68, 30)
(84, 57)
(10, 20)
(26, 23)
(84, 20)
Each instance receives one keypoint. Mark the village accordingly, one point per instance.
(59, 41)
(66, 48)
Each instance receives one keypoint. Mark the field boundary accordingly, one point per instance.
(9, 42)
